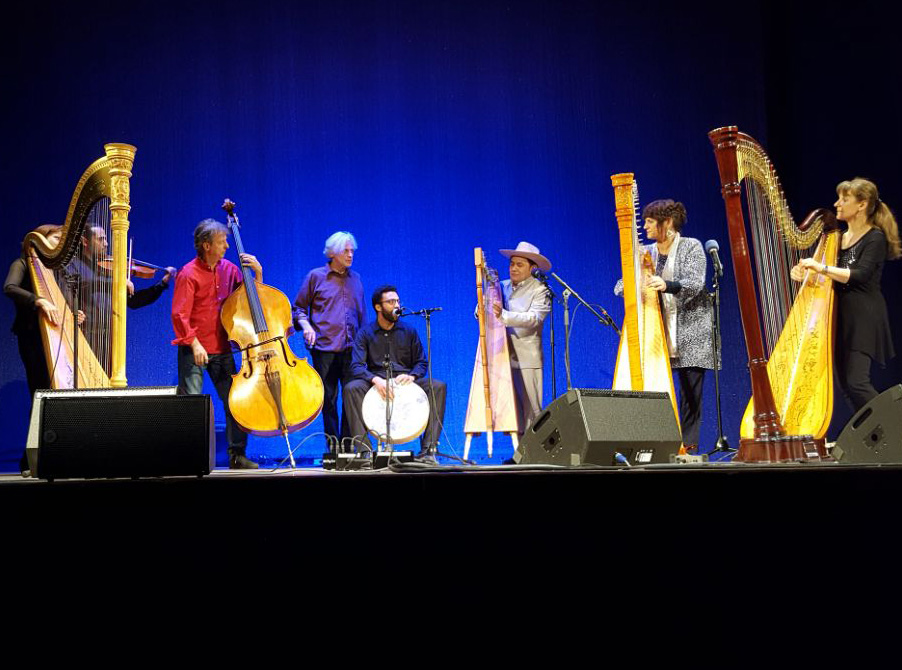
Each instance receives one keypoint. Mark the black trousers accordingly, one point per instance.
(853, 373)
(352, 406)
(334, 369)
(692, 382)
(31, 350)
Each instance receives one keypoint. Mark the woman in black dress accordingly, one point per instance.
(29, 307)
(862, 333)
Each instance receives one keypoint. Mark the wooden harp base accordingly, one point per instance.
(781, 449)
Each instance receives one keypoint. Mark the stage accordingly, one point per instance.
(499, 521)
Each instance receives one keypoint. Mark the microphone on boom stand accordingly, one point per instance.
(712, 247)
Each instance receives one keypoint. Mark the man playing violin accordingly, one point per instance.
(389, 338)
(201, 286)
(95, 283)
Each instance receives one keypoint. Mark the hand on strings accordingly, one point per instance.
(200, 354)
(130, 287)
(80, 317)
(170, 273)
(251, 261)
(799, 269)
(401, 380)
(496, 308)
(49, 310)
(382, 387)
(655, 283)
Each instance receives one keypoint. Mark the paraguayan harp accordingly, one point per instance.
(491, 406)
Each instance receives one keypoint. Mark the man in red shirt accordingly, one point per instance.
(201, 287)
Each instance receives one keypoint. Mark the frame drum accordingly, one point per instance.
(409, 413)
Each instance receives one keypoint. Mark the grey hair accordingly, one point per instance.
(337, 243)
(205, 231)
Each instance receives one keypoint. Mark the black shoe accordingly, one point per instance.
(241, 462)
(426, 456)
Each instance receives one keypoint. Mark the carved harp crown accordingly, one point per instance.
(101, 200)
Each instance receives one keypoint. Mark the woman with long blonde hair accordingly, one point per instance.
(863, 332)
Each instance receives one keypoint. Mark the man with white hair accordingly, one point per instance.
(329, 310)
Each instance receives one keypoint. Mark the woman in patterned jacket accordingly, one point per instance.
(680, 277)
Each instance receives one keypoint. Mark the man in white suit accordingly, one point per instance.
(526, 304)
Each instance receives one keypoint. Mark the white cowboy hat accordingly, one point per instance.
(529, 252)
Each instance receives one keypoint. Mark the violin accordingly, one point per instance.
(138, 269)
(274, 392)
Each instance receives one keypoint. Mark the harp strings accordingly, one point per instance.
(95, 282)
(637, 270)
(777, 243)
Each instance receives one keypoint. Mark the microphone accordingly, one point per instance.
(538, 274)
(397, 311)
(712, 247)
(419, 312)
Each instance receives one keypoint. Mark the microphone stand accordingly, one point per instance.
(604, 318)
(722, 444)
(73, 281)
(551, 297)
(427, 314)
(389, 401)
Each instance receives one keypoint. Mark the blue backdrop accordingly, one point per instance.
(425, 128)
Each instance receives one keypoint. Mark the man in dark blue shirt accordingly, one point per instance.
(389, 338)
(329, 310)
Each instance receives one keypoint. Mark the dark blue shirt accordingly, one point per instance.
(332, 303)
(401, 343)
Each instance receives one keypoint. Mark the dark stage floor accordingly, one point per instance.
(659, 517)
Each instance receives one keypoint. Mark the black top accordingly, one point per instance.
(863, 324)
(401, 343)
(18, 287)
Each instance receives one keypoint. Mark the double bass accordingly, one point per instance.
(274, 392)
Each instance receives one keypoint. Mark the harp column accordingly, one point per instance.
(121, 157)
(625, 213)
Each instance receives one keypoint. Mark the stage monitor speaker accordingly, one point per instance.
(126, 432)
(594, 425)
(874, 434)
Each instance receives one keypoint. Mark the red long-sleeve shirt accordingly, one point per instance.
(196, 301)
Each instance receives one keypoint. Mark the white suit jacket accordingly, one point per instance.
(525, 307)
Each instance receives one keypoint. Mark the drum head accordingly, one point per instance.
(409, 413)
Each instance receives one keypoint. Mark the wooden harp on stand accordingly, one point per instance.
(643, 357)
(491, 406)
(98, 211)
(791, 367)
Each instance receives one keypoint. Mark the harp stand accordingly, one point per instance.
(605, 320)
(722, 444)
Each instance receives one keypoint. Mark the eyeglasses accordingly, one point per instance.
(393, 301)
